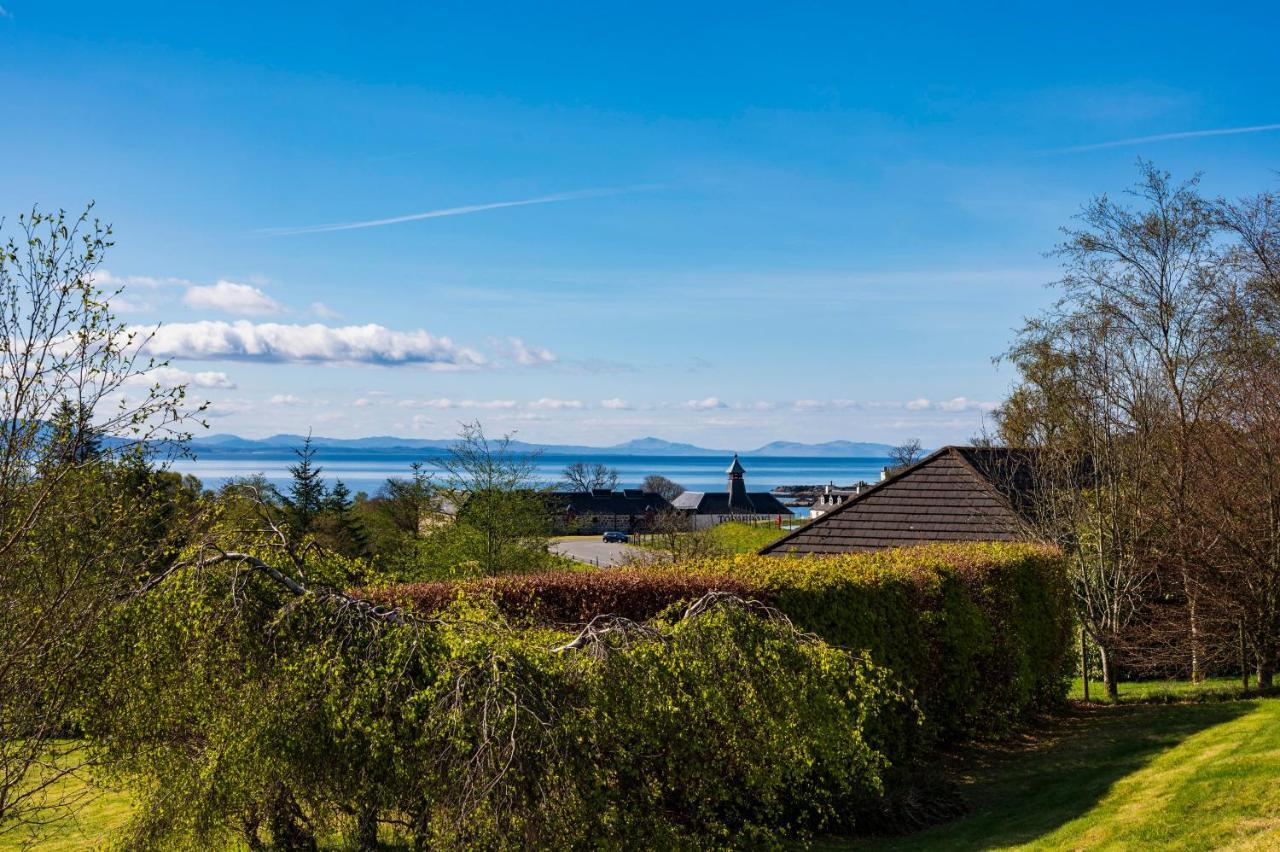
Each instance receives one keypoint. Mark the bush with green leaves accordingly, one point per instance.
(239, 707)
(979, 633)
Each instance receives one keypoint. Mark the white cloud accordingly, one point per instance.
(615, 404)
(707, 404)
(228, 408)
(172, 377)
(109, 281)
(557, 404)
(314, 343)
(961, 403)
(320, 309)
(955, 404)
(232, 298)
(286, 399)
(443, 403)
(526, 355)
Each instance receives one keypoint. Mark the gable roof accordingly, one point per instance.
(717, 503)
(952, 494)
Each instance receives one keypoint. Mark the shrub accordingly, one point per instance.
(979, 633)
(562, 597)
(235, 709)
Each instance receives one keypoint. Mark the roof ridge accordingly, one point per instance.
(857, 498)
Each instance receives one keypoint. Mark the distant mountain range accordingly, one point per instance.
(235, 445)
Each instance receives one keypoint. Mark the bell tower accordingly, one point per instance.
(737, 485)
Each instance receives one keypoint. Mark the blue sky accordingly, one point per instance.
(743, 223)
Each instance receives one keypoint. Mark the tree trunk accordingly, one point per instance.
(1197, 673)
(1108, 672)
(1266, 660)
(367, 830)
(1244, 660)
(1084, 662)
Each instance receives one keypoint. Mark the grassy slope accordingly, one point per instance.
(1183, 776)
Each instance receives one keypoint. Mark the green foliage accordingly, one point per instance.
(560, 597)
(238, 710)
(979, 633)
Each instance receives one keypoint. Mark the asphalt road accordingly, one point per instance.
(593, 551)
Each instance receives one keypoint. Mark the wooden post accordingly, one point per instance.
(1084, 662)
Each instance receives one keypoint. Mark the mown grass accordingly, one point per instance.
(737, 537)
(1182, 776)
(93, 815)
(729, 537)
(1154, 691)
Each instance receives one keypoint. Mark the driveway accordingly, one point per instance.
(593, 551)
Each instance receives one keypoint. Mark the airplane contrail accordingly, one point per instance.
(454, 211)
(1166, 137)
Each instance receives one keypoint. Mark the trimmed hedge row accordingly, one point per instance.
(980, 633)
(562, 597)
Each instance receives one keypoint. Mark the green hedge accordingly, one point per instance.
(980, 633)
(233, 709)
(559, 597)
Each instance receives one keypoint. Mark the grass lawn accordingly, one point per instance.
(1189, 776)
(735, 537)
(730, 537)
(99, 813)
(1161, 690)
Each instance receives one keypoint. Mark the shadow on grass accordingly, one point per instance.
(1020, 794)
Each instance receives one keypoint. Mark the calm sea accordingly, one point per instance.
(367, 470)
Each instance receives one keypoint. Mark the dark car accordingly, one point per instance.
(616, 537)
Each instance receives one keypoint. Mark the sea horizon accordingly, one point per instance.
(368, 471)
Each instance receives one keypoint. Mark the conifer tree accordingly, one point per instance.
(307, 493)
(348, 533)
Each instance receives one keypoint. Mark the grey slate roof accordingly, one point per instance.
(717, 503)
(953, 494)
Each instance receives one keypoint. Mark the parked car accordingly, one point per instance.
(620, 538)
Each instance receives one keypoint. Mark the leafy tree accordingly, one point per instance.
(503, 520)
(77, 530)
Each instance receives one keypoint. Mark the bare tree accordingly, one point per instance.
(77, 520)
(1115, 383)
(906, 454)
(588, 476)
(663, 487)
